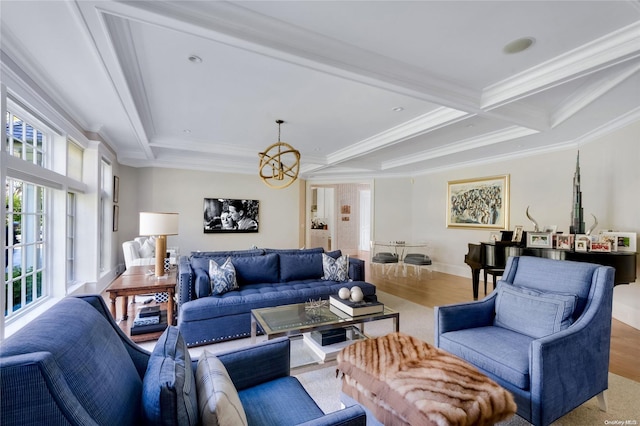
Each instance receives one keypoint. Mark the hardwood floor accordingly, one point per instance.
(435, 288)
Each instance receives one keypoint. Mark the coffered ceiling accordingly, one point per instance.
(366, 88)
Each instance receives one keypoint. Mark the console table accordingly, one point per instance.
(135, 281)
(494, 254)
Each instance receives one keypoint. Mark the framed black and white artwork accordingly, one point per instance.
(228, 215)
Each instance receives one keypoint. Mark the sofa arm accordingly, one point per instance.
(350, 416)
(462, 316)
(253, 365)
(356, 269)
(33, 388)
(185, 290)
(143, 261)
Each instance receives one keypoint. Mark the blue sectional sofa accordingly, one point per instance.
(74, 366)
(267, 277)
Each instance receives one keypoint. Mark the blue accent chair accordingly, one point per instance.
(74, 366)
(544, 334)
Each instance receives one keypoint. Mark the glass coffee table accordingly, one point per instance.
(301, 319)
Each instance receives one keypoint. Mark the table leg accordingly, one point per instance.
(253, 330)
(113, 298)
(396, 323)
(170, 309)
(125, 307)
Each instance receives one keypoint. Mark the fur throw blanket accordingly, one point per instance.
(407, 381)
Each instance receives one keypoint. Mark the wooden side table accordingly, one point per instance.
(135, 281)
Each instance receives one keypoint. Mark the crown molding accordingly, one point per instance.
(96, 23)
(611, 49)
(425, 123)
(239, 27)
(617, 123)
(510, 133)
(590, 92)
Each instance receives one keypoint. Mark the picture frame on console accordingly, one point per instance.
(601, 246)
(582, 242)
(479, 203)
(229, 215)
(564, 242)
(540, 239)
(517, 234)
(625, 241)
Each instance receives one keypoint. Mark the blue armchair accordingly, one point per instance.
(543, 334)
(74, 366)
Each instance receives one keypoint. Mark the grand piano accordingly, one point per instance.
(492, 256)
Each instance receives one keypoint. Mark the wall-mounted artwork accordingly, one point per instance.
(226, 215)
(478, 203)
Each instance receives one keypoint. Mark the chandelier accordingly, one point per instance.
(279, 163)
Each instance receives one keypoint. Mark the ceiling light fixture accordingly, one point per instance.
(519, 45)
(195, 59)
(279, 164)
(398, 109)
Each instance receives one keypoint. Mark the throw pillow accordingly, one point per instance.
(335, 269)
(148, 249)
(531, 312)
(218, 400)
(168, 388)
(223, 278)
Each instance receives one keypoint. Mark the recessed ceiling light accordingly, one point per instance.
(195, 59)
(519, 45)
(397, 109)
(186, 131)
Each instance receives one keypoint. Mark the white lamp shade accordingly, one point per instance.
(152, 223)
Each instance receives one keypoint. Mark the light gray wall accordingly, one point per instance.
(184, 191)
(610, 171)
(410, 209)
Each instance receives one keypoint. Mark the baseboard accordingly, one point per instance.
(626, 304)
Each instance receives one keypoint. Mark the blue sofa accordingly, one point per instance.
(544, 334)
(267, 278)
(74, 366)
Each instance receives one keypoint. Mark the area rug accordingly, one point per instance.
(323, 385)
(623, 394)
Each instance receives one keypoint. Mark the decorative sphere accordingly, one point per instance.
(344, 293)
(356, 294)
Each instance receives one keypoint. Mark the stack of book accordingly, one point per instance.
(149, 319)
(369, 305)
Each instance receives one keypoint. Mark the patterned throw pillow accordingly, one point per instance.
(223, 278)
(335, 269)
(218, 400)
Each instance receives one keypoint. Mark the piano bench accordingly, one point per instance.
(494, 272)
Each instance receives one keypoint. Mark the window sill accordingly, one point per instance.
(17, 323)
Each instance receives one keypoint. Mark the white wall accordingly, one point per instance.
(184, 191)
(610, 185)
(610, 172)
(411, 209)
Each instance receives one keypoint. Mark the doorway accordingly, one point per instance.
(339, 217)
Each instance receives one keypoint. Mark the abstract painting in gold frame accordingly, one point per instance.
(481, 203)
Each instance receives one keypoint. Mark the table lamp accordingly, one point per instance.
(159, 225)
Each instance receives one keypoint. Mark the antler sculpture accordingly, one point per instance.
(536, 227)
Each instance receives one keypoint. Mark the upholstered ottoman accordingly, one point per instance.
(402, 380)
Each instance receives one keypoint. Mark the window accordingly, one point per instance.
(25, 245)
(74, 161)
(71, 238)
(25, 141)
